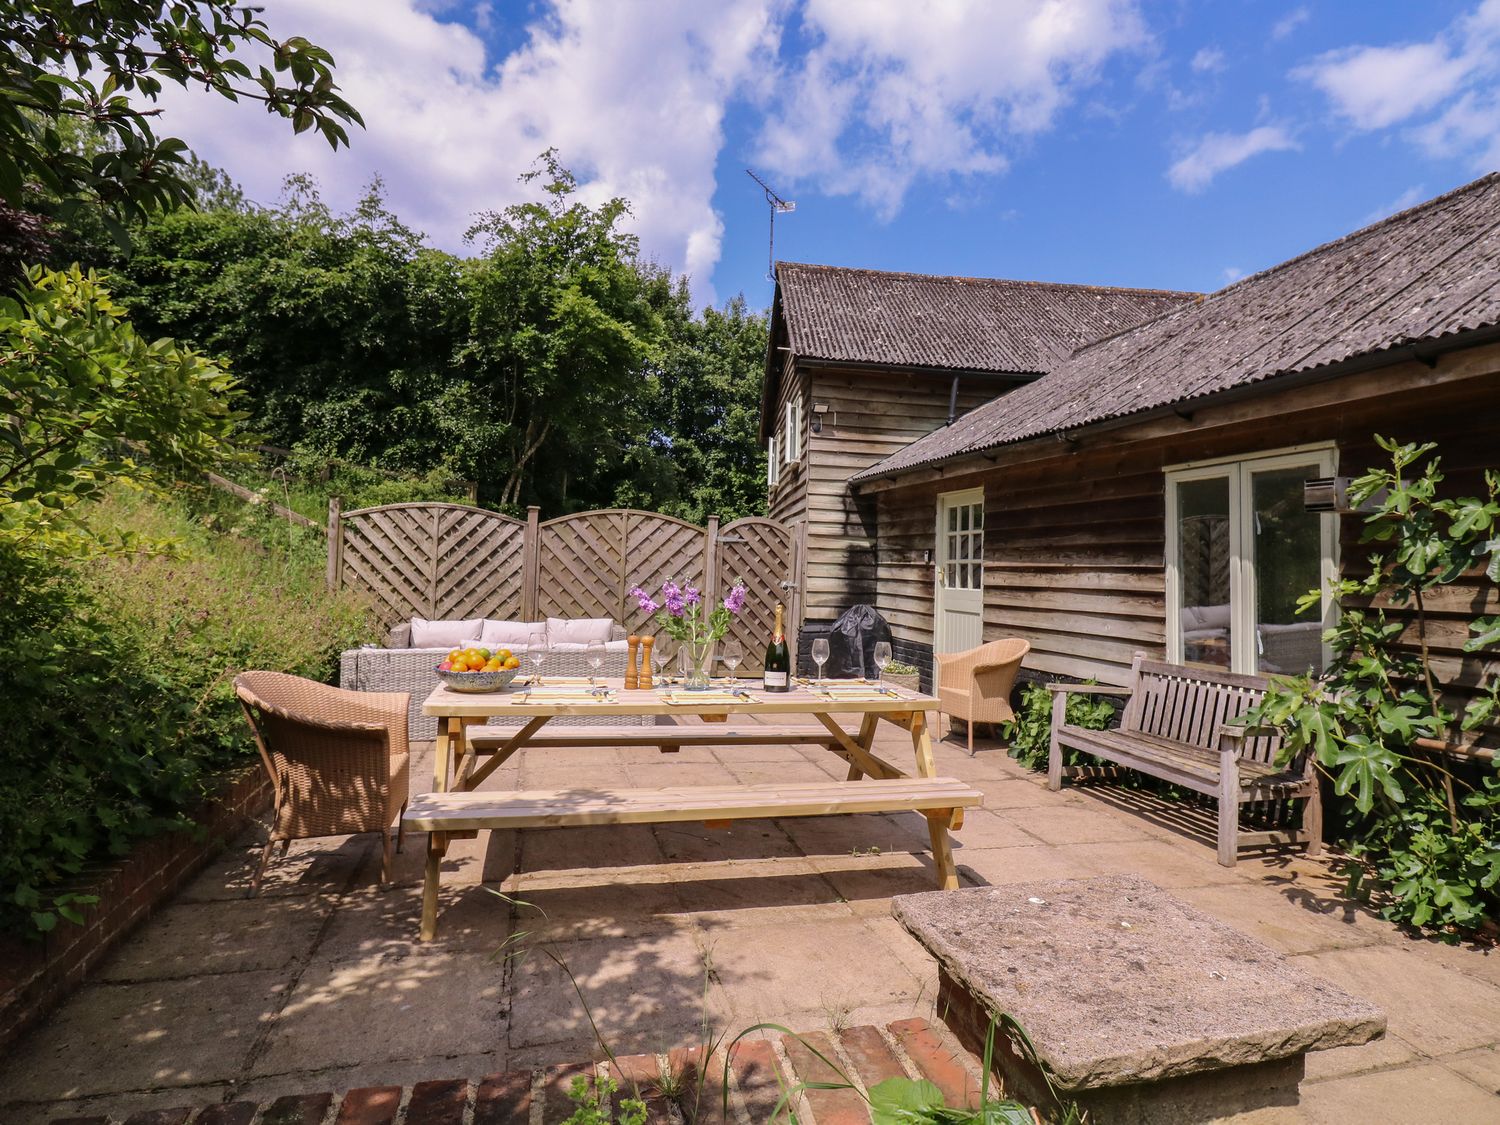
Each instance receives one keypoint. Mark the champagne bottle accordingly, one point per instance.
(778, 674)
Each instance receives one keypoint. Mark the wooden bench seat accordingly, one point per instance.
(941, 799)
(1183, 725)
(668, 738)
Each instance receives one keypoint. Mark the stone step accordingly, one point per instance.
(760, 1071)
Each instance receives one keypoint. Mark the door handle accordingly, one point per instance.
(788, 585)
(941, 576)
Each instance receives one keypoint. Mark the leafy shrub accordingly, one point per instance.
(1030, 733)
(116, 679)
(1430, 836)
(897, 668)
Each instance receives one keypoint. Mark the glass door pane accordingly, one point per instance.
(1287, 542)
(1203, 565)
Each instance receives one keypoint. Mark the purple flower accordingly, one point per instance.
(734, 601)
(692, 595)
(644, 600)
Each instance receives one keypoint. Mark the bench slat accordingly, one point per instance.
(450, 812)
(1190, 760)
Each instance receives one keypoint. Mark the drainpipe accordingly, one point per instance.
(953, 401)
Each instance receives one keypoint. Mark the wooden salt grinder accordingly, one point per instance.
(645, 677)
(632, 678)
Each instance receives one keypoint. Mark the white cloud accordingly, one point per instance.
(1378, 86)
(1208, 60)
(1232, 274)
(892, 91)
(1290, 23)
(1457, 73)
(634, 105)
(1218, 152)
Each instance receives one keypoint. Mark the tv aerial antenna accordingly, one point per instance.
(778, 206)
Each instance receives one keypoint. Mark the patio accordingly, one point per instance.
(321, 984)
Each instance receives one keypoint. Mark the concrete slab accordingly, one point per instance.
(644, 993)
(382, 1007)
(1410, 1093)
(1407, 986)
(326, 866)
(1073, 825)
(375, 922)
(1480, 1066)
(234, 936)
(753, 892)
(144, 1036)
(1166, 865)
(692, 842)
(840, 963)
(1299, 924)
(999, 866)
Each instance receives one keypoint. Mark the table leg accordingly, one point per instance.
(437, 846)
(442, 752)
(858, 754)
(937, 826)
(866, 738)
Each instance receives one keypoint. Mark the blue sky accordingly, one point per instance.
(1167, 144)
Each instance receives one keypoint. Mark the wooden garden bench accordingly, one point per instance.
(669, 739)
(1181, 724)
(940, 799)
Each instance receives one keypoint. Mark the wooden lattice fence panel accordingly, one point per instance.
(581, 565)
(389, 553)
(480, 560)
(658, 548)
(454, 561)
(760, 552)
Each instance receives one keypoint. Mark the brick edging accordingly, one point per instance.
(760, 1070)
(35, 976)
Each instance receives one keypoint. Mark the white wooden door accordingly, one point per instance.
(959, 598)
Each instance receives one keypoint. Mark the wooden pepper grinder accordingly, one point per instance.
(632, 678)
(645, 677)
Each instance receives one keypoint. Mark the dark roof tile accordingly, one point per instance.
(1419, 275)
(959, 323)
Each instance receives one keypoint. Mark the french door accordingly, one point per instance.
(958, 622)
(1241, 551)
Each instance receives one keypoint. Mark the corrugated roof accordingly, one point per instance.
(960, 323)
(1419, 275)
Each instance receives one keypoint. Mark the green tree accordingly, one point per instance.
(700, 452)
(104, 64)
(85, 401)
(565, 321)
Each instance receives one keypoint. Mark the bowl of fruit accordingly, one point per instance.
(479, 669)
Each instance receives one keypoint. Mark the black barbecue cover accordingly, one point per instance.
(852, 641)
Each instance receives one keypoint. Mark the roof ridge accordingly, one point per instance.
(1279, 267)
(1016, 281)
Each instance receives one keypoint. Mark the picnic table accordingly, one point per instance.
(458, 807)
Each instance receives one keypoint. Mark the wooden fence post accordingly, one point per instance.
(335, 543)
(711, 561)
(531, 559)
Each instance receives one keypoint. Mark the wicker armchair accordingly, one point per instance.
(338, 759)
(975, 686)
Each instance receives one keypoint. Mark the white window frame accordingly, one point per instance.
(773, 467)
(1242, 652)
(792, 444)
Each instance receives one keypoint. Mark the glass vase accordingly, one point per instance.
(699, 659)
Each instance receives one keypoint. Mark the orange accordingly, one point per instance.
(454, 654)
(511, 662)
(459, 666)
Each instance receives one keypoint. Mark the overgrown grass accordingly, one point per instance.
(304, 484)
(115, 675)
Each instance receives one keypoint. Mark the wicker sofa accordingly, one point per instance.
(397, 666)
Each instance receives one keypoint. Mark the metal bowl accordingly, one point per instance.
(476, 682)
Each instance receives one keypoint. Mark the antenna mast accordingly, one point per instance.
(778, 206)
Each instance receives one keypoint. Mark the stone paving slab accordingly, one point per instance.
(1118, 982)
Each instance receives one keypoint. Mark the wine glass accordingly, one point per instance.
(536, 652)
(733, 653)
(882, 658)
(660, 658)
(820, 656)
(594, 656)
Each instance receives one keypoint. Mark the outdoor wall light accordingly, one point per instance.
(818, 410)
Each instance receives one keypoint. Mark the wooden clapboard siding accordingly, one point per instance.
(870, 415)
(787, 502)
(1075, 531)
